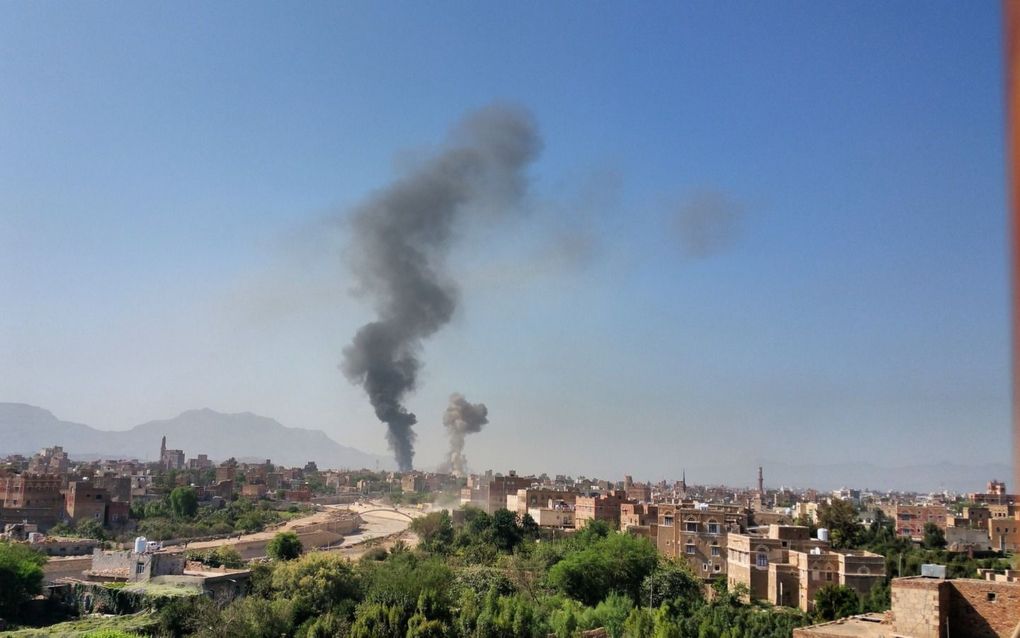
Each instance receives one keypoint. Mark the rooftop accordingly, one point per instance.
(863, 626)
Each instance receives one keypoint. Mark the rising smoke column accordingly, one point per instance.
(462, 418)
(401, 237)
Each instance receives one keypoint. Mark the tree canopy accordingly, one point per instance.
(284, 546)
(21, 576)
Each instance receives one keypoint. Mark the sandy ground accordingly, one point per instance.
(382, 527)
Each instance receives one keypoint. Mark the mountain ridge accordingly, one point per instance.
(27, 428)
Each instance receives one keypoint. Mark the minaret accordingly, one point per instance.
(683, 483)
(162, 449)
(761, 482)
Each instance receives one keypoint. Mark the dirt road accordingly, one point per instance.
(381, 526)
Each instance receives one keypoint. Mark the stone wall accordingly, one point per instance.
(919, 606)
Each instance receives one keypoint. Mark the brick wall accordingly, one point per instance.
(984, 608)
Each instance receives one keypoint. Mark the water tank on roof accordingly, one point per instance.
(140, 545)
(35, 537)
(823, 534)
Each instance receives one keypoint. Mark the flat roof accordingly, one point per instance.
(862, 626)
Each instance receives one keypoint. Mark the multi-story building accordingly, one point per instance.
(85, 501)
(51, 460)
(489, 493)
(638, 492)
(201, 462)
(226, 471)
(529, 498)
(33, 498)
(170, 459)
(557, 514)
(698, 532)
(995, 494)
(640, 519)
(412, 482)
(911, 519)
(119, 487)
(785, 566)
(601, 507)
(1004, 533)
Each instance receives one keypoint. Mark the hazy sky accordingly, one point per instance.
(756, 232)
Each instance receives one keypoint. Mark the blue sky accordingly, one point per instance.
(174, 180)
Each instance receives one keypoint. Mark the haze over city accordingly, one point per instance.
(745, 235)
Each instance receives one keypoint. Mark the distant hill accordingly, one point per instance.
(24, 429)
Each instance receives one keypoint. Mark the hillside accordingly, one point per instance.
(25, 429)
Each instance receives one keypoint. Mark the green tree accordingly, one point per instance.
(836, 601)
(21, 576)
(430, 619)
(284, 546)
(616, 563)
(252, 617)
(377, 620)
(184, 502)
(529, 528)
(612, 613)
(185, 615)
(504, 532)
(934, 538)
(878, 599)
(315, 583)
(90, 528)
(639, 624)
(328, 625)
(672, 583)
(840, 518)
(435, 532)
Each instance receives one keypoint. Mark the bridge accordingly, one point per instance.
(383, 509)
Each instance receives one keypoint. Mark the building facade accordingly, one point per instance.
(785, 566)
(698, 533)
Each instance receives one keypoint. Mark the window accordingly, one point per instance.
(667, 520)
(690, 548)
(691, 526)
(991, 597)
(715, 550)
(828, 575)
(713, 527)
(762, 560)
(704, 567)
(139, 568)
(717, 567)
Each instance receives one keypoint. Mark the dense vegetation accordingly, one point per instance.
(179, 515)
(491, 577)
(21, 576)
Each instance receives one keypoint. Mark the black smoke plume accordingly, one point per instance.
(401, 238)
(462, 418)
